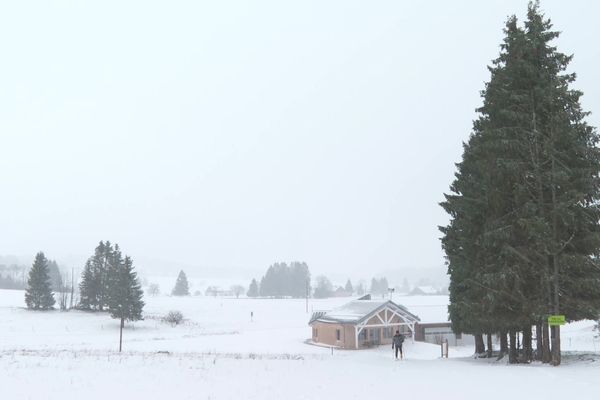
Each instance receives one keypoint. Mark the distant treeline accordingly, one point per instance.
(282, 280)
(293, 280)
(13, 276)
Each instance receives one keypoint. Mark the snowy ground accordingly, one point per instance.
(218, 353)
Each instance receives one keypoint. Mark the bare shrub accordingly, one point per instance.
(173, 317)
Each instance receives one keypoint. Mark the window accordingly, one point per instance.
(363, 334)
(315, 333)
(388, 332)
(337, 334)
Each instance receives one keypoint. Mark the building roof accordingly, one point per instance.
(358, 310)
(424, 290)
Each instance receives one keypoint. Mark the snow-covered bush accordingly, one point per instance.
(173, 317)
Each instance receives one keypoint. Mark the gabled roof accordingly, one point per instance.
(424, 290)
(357, 311)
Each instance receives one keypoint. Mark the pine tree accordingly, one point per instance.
(253, 289)
(524, 215)
(360, 289)
(348, 288)
(125, 296)
(298, 278)
(375, 286)
(95, 280)
(56, 281)
(87, 288)
(38, 295)
(383, 286)
(181, 285)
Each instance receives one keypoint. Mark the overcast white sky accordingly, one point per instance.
(232, 134)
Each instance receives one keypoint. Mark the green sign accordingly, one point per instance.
(556, 320)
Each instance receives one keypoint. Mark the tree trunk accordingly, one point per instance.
(538, 342)
(527, 344)
(556, 346)
(503, 343)
(479, 345)
(121, 334)
(555, 329)
(555, 267)
(512, 352)
(546, 343)
(489, 345)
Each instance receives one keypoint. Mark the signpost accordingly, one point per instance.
(556, 320)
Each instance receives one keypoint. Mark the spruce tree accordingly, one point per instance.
(56, 281)
(38, 295)
(348, 287)
(125, 295)
(523, 235)
(87, 289)
(181, 285)
(253, 289)
(95, 285)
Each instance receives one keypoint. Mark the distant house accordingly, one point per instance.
(424, 290)
(361, 323)
(341, 292)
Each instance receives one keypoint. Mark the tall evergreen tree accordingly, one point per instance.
(299, 280)
(523, 240)
(38, 295)
(87, 289)
(181, 285)
(253, 289)
(95, 279)
(125, 298)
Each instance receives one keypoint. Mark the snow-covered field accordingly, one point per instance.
(219, 353)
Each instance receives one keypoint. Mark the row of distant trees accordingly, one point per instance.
(293, 280)
(13, 276)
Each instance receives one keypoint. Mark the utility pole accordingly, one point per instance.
(307, 293)
(121, 334)
(72, 286)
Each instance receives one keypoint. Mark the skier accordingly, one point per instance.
(397, 341)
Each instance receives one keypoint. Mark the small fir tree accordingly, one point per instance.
(38, 295)
(181, 285)
(125, 300)
(253, 290)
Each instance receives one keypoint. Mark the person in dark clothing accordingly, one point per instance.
(397, 341)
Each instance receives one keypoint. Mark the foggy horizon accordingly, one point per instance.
(232, 136)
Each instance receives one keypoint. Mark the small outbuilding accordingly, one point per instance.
(424, 291)
(362, 323)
